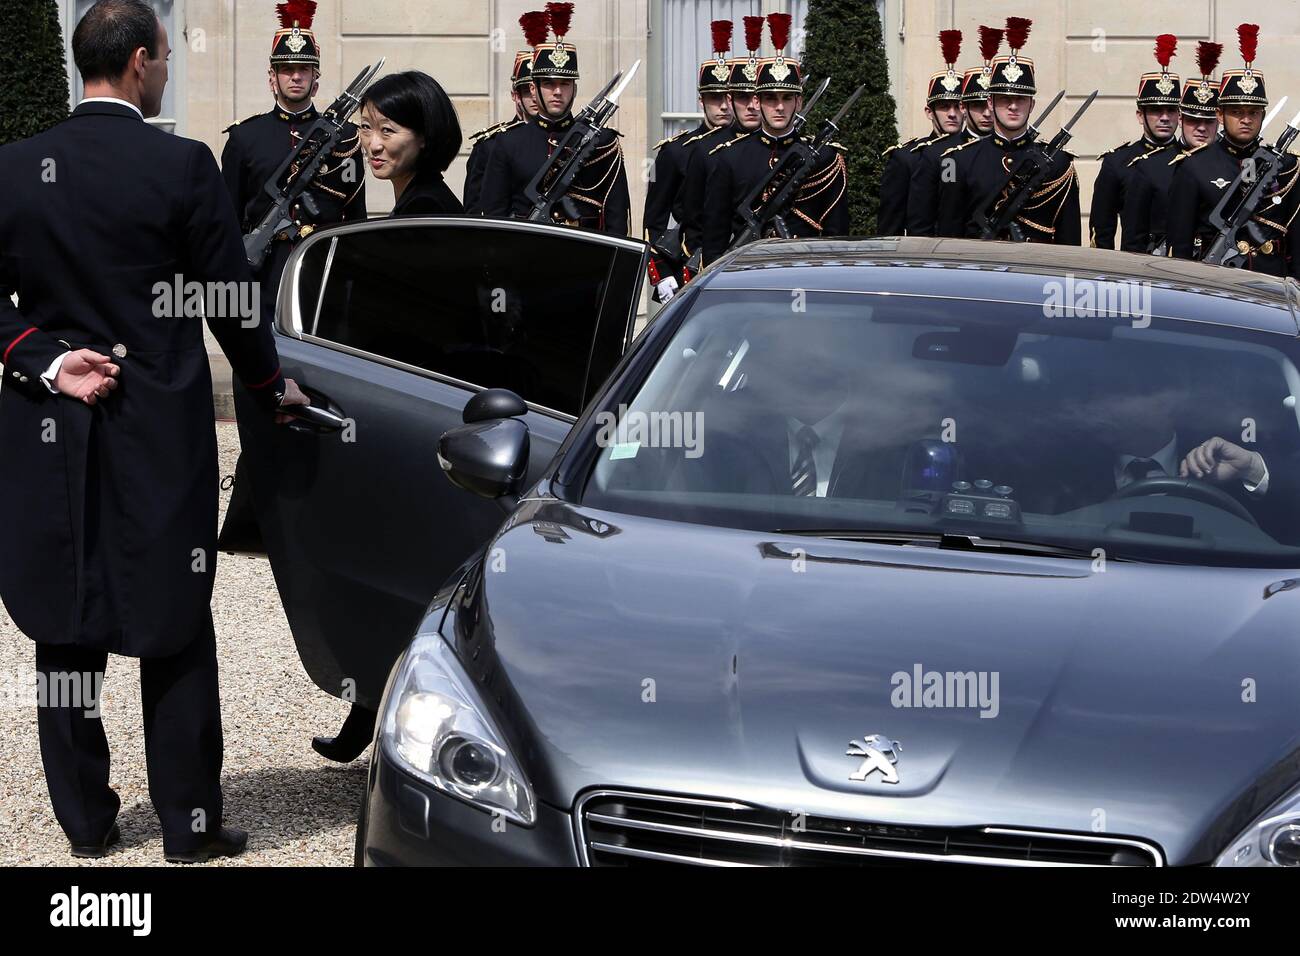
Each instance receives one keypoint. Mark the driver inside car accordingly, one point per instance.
(1132, 415)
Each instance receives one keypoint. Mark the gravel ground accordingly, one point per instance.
(299, 808)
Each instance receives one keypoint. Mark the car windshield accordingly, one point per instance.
(915, 419)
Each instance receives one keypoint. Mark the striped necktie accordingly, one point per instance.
(803, 473)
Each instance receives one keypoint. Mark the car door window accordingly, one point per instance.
(517, 308)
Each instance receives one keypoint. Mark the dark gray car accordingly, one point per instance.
(864, 552)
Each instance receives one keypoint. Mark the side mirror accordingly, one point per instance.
(489, 458)
(491, 404)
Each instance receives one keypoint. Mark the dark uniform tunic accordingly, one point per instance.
(599, 192)
(1051, 215)
(1146, 199)
(664, 204)
(1108, 190)
(923, 191)
(1200, 178)
(895, 181)
(699, 164)
(820, 207)
(477, 163)
(427, 195)
(254, 151)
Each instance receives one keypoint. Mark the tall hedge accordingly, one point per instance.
(844, 40)
(33, 77)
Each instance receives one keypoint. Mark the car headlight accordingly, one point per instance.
(436, 727)
(1272, 840)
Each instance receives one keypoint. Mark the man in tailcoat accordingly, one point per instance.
(108, 453)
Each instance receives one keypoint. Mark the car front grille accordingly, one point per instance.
(618, 828)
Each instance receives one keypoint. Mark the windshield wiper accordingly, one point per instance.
(947, 541)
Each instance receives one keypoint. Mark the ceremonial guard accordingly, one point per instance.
(254, 151)
(1202, 176)
(525, 99)
(598, 198)
(943, 110)
(820, 208)
(742, 95)
(665, 214)
(258, 146)
(980, 174)
(1157, 111)
(1147, 195)
(923, 192)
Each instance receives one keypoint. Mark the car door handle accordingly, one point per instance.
(316, 415)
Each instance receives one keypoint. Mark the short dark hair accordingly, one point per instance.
(109, 34)
(417, 101)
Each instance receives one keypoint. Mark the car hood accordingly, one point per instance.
(1144, 700)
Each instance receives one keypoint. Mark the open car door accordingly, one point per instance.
(390, 327)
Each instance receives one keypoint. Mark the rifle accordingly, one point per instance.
(782, 183)
(550, 186)
(1232, 218)
(1026, 174)
(302, 165)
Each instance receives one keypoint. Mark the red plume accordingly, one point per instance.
(536, 25)
(1017, 31)
(753, 32)
(1207, 56)
(990, 40)
(721, 30)
(950, 45)
(1166, 44)
(561, 16)
(778, 24)
(302, 11)
(1248, 40)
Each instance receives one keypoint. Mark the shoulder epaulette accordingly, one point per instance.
(906, 142)
(1147, 154)
(738, 137)
(491, 131)
(1188, 152)
(961, 146)
(1120, 146)
(671, 139)
(687, 142)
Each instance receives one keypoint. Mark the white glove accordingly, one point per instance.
(667, 288)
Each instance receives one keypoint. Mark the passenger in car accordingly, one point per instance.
(410, 134)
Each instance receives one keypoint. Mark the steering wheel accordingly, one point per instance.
(1192, 488)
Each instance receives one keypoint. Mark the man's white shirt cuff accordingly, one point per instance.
(1262, 487)
(51, 373)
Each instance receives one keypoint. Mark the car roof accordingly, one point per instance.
(971, 269)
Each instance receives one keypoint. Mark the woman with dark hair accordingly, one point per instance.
(410, 133)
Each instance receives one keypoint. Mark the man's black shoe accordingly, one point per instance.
(231, 841)
(90, 851)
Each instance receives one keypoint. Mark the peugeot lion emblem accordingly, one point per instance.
(877, 753)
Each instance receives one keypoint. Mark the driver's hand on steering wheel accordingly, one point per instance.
(1219, 461)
